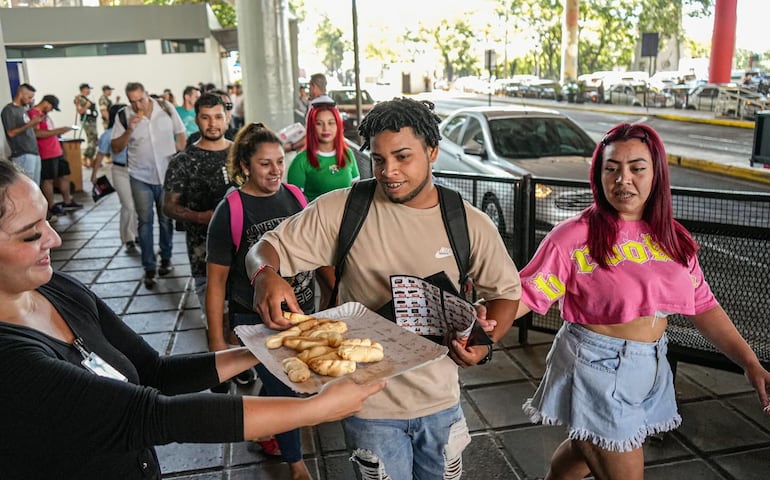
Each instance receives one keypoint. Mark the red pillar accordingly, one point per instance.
(723, 41)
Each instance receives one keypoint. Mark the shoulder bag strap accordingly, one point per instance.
(456, 226)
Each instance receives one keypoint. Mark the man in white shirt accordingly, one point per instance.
(153, 132)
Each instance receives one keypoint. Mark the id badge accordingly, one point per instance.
(97, 365)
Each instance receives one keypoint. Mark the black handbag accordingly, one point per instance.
(101, 189)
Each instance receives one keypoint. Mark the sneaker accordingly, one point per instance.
(149, 279)
(131, 248)
(270, 447)
(165, 267)
(51, 218)
(246, 377)
(57, 210)
(73, 205)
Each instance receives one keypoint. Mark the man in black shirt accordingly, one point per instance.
(196, 181)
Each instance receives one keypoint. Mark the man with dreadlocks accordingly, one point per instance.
(414, 428)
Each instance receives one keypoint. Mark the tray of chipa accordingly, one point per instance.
(349, 340)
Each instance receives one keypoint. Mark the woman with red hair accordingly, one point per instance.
(617, 271)
(327, 163)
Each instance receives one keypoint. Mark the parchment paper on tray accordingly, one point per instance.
(404, 350)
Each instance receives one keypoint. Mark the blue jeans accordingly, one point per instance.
(145, 195)
(31, 165)
(424, 448)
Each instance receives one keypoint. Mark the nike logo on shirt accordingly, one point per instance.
(444, 252)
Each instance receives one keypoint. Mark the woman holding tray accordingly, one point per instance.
(86, 394)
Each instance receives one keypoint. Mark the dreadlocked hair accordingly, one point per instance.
(393, 115)
(246, 143)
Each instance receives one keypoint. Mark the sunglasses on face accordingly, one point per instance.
(606, 140)
(323, 104)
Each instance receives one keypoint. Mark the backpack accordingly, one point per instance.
(236, 210)
(164, 105)
(357, 208)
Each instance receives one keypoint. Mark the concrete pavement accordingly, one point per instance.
(724, 435)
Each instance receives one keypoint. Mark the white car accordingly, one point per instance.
(510, 142)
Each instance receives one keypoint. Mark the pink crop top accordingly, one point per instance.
(641, 281)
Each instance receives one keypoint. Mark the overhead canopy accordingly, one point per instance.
(227, 38)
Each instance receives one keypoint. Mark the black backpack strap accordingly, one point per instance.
(356, 209)
(122, 118)
(456, 226)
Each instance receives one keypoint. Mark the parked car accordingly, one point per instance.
(508, 88)
(511, 142)
(680, 93)
(540, 88)
(638, 95)
(727, 100)
(703, 97)
(740, 102)
(345, 98)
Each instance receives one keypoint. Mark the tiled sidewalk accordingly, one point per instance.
(724, 434)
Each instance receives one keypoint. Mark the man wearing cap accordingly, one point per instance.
(19, 131)
(54, 166)
(104, 105)
(88, 114)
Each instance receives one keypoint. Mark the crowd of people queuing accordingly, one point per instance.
(198, 164)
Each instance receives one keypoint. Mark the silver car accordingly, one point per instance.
(512, 142)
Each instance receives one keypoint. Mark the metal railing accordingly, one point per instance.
(732, 229)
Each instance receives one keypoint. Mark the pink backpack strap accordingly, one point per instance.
(236, 211)
(236, 217)
(297, 194)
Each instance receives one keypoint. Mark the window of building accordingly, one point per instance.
(75, 50)
(195, 45)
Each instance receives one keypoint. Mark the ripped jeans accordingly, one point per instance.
(424, 448)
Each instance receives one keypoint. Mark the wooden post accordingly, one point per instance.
(73, 156)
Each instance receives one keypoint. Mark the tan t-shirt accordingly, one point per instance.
(397, 240)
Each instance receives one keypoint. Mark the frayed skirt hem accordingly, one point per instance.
(612, 445)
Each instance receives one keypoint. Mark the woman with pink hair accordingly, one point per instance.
(617, 271)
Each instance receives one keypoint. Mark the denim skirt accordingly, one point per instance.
(608, 391)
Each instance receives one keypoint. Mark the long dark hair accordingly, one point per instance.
(246, 143)
(312, 136)
(602, 218)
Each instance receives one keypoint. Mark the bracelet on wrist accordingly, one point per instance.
(487, 358)
(260, 270)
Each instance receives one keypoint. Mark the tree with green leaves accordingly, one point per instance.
(331, 42)
(224, 10)
(609, 31)
(455, 40)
